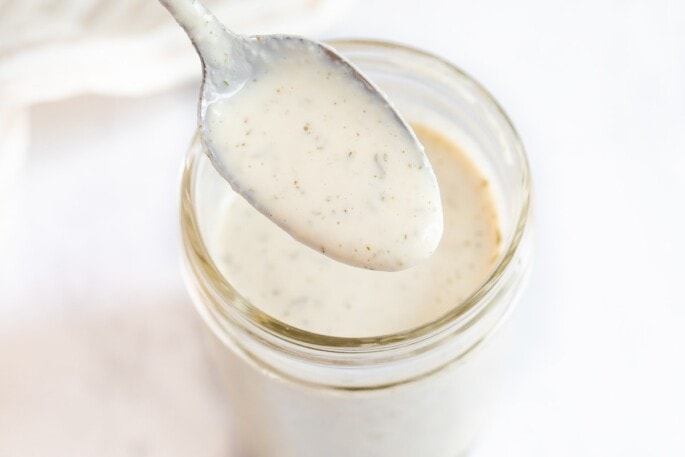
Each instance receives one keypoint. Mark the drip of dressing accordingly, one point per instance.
(308, 141)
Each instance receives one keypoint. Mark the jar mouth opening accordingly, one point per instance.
(230, 304)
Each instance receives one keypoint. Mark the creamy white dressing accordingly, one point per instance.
(323, 158)
(305, 139)
(295, 285)
(276, 389)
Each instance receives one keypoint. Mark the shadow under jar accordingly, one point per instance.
(419, 390)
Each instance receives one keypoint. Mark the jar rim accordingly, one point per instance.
(252, 319)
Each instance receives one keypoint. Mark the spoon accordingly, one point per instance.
(301, 134)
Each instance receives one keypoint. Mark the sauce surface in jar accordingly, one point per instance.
(309, 291)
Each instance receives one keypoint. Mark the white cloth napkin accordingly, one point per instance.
(53, 49)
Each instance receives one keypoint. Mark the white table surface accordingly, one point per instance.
(99, 345)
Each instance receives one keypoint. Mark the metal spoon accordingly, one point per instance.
(381, 237)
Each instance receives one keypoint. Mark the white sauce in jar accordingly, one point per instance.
(304, 289)
(326, 160)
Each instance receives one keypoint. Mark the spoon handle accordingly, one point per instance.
(213, 42)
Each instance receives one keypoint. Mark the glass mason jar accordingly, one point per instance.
(420, 392)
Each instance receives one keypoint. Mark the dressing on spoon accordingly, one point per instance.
(308, 141)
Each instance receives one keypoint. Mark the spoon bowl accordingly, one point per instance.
(313, 145)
